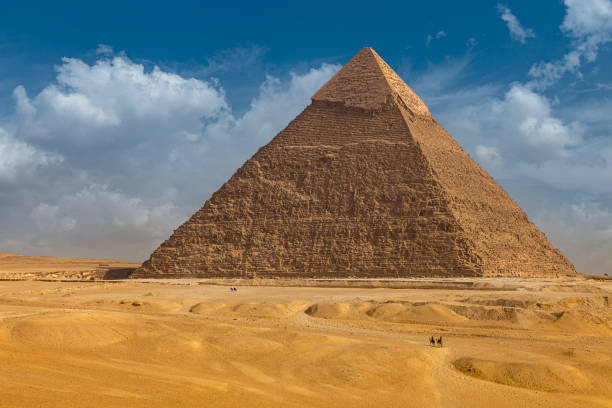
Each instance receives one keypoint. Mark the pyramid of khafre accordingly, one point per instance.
(363, 183)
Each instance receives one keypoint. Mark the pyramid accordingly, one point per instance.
(364, 183)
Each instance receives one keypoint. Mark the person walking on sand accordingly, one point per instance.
(432, 342)
(440, 341)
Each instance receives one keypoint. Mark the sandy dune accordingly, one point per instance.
(526, 343)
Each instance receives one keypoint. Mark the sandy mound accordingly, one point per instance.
(329, 310)
(425, 313)
(135, 304)
(545, 376)
(268, 309)
(278, 310)
(583, 315)
(491, 314)
(582, 323)
(206, 307)
(407, 312)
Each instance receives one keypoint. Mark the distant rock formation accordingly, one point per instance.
(363, 183)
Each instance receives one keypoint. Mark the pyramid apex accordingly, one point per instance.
(368, 82)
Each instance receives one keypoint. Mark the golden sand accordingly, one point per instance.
(47, 267)
(512, 343)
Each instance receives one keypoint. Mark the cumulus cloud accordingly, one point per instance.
(519, 127)
(589, 24)
(517, 31)
(93, 106)
(17, 157)
(127, 145)
(528, 115)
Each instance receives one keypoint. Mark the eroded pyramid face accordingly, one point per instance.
(363, 183)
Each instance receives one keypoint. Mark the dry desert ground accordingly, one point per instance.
(506, 343)
(47, 267)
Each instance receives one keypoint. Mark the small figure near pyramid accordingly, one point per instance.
(363, 183)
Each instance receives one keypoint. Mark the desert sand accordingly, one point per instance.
(47, 267)
(507, 343)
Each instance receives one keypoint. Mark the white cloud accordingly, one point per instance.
(105, 49)
(528, 115)
(588, 18)
(438, 35)
(589, 24)
(517, 129)
(113, 103)
(517, 31)
(18, 157)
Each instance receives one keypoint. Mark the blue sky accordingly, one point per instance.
(119, 119)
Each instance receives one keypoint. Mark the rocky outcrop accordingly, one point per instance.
(363, 183)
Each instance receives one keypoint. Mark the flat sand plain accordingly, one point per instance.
(48, 267)
(507, 343)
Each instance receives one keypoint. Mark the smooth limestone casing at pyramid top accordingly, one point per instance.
(363, 183)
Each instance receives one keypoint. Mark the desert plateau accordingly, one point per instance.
(507, 342)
